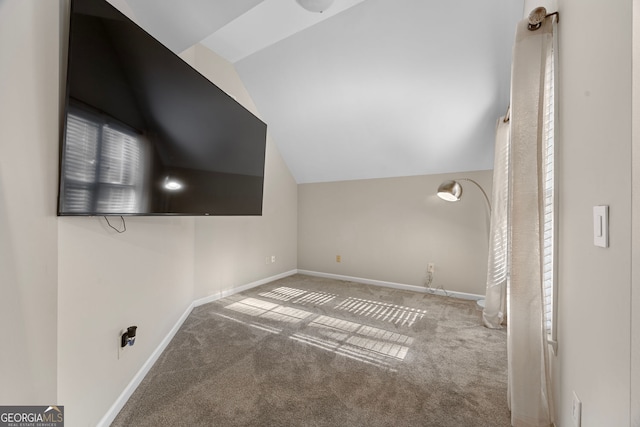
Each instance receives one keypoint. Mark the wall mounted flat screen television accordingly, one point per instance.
(146, 134)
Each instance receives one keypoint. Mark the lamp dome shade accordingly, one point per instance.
(318, 6)
(450, 191)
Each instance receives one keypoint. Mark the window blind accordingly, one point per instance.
(549, 208)
(81, 157)
(104, 163)
(120, 161)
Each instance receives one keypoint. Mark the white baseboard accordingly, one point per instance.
(233, 291)
(461, 295)
(117, 406)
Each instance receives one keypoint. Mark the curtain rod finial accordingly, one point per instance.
(536, 18)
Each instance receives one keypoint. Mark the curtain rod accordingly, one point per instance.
(535, 21)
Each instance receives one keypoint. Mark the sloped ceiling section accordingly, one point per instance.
(179, 24)
(376, 88)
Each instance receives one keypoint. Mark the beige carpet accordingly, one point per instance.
(308, 351)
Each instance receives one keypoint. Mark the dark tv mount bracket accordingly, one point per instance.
(129, 337)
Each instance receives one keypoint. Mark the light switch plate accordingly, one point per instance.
(601, 226)
(576, 410)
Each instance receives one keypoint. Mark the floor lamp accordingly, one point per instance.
(451, 191)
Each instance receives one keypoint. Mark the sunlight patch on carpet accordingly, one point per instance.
(392, 313)
(267, 310)
(299, 296)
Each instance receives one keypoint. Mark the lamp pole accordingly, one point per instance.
(486, 198)
(448, 188)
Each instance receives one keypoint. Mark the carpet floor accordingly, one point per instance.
(309, 351)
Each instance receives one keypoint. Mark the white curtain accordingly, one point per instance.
(493, 314)
(529, 381)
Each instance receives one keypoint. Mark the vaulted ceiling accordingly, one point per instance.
(366, 89)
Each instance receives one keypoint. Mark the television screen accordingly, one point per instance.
(146, 134)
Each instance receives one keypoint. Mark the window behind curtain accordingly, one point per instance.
(549, 202)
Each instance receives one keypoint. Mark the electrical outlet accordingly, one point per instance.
(576, 410)
(126, 338)
(273, 259)
(431, 268)
(338, 258)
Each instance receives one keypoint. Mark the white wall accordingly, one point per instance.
(108, 281)
(594, 168)
(635, 229)
(29, 126)
(389, 230)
